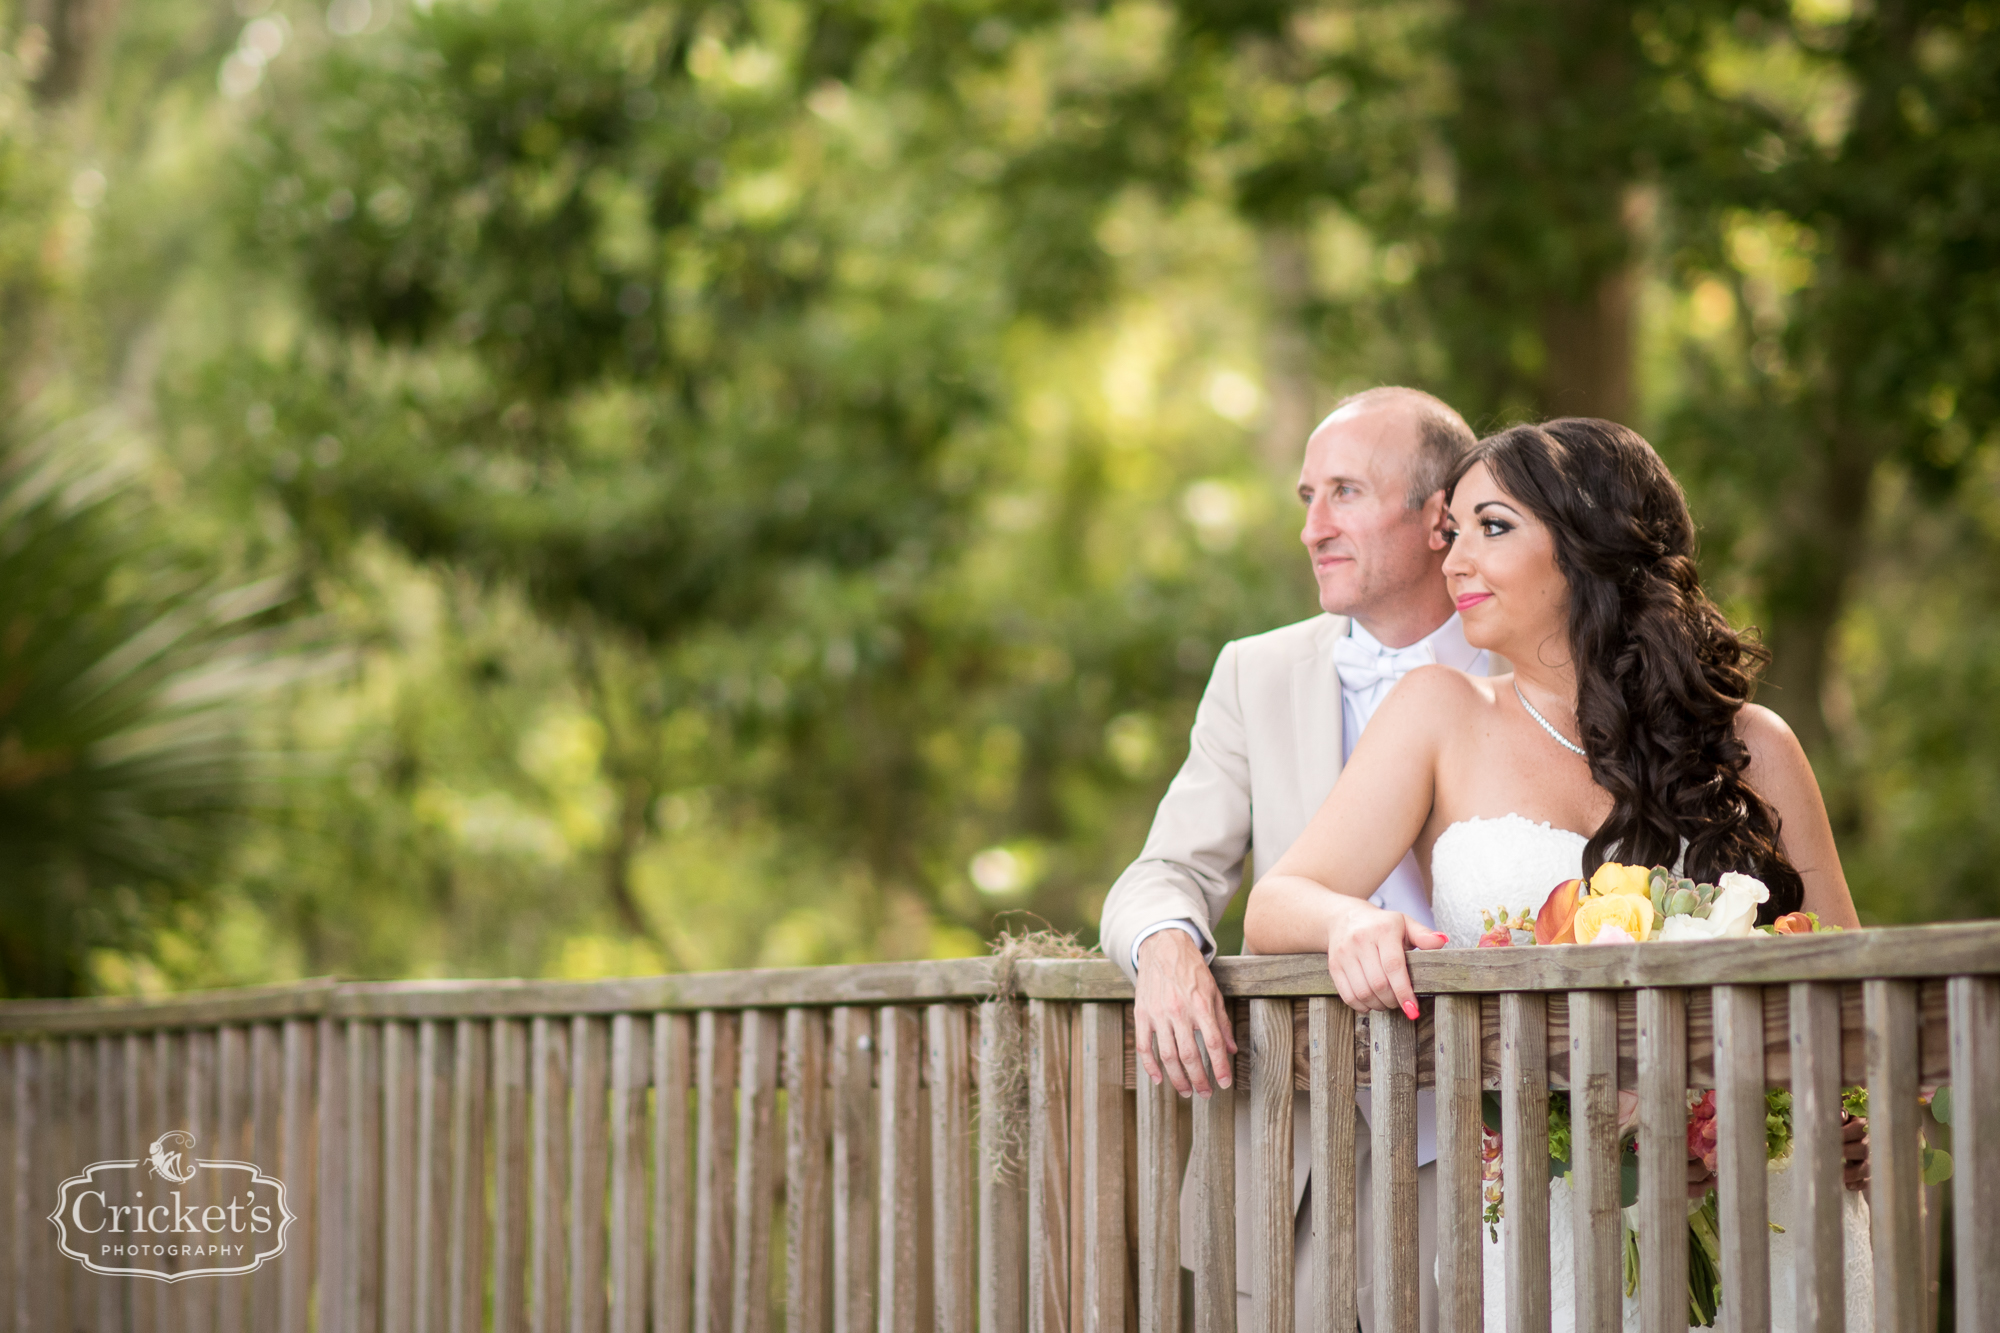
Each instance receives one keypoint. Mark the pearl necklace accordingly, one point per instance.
(1560, 739)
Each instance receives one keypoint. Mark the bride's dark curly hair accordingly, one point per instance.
(1660, 674)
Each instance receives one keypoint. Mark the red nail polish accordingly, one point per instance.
(1410, 1009)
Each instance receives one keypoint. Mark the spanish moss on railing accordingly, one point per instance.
(955, 1146)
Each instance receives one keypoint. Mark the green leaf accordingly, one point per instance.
(1937, 1166)
(1628, 1179)
(1941, 1104)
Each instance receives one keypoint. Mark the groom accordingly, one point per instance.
(1280, 716)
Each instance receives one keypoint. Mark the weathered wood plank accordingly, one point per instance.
(1742, 1190)
(1820, 1299)
(548, 1167)
(401, 1189)
(1270, 1166)
(952, 1277)
(1460, 1278)
(896, 1284)
(808, 1183)
(1048, 1167)
(1596, 1230)
(466, 1221)
(673, 1228)
(108, 1143)
(756, 1173)
(1003, 1193)
(1159, 1207)
(1662, 1161)
(298, 1168)
(197, 1299)
(853, 1170)
(630, 1055)
(1330, 1085)
(715, 1162)
(233, 1141)
(361, 1261)
(1100, 1097)
(266, 1089)
(511, 1193)
(589, 1162)
(431, 1291)
(23, 1086)
(1212, 1173)
(331, 1174)
(1392, 1040)
(1524, 1137)
(1975, 1127)
(1895, 1184)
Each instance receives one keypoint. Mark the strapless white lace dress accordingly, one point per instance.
(1482, 865)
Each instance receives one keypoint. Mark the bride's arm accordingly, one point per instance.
(1779, 772)
(1316, 897)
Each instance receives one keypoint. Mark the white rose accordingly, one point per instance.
(1736, 906)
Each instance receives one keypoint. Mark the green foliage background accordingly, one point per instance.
(749, 482)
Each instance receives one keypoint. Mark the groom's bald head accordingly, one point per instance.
(1437, 435)
(1372, 483)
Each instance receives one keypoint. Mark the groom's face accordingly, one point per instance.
(1369, 548)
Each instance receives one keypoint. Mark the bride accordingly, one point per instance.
(1623, 734)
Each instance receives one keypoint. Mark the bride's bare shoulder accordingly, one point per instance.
(1774, 749)
(1440, 691)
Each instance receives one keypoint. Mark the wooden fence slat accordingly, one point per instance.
(402, 1192)
(1524, 1137)
(232, 1143)
(673, 1231)
(1100, 1095)
(1048, 1167)
(628, 1174)
(1392, 1053)
(1596, 1235)
(896, 1292)
(951, 1162)
(1662, 1161)
(362, 1261)
(24, 1057)
(548, 1138)
(1159, 1206)
(1330, 1086)
(1975, 1129)
(266, 1079)
(107, 1054)
(1003, 1194)
(430, 1288)
(510, 1176)
(466, 1243)
(1895, 1184)
(197, 1299)
(1460, 1275)
(1820, 1299)
(715, 1163)
(1271, 1222)
(299, 1144)
(1742, 1189)
(69, 1111)
(853, 1171)
(589, 1161)
(808, 1184)
(1212, 1173)
(756, 1173)
(332, 1097)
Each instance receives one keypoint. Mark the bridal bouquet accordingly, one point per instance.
(1623, 904)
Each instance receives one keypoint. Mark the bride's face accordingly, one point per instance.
(1502, 573)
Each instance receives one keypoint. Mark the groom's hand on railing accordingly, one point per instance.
(1365, 957)
(1177, 1001)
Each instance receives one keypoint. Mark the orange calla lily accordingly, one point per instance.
(1556, 922)
(1793, 923)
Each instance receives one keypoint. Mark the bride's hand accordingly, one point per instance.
(1364, 956)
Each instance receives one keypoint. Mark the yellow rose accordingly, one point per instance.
(1630, 912)
(1612, 878)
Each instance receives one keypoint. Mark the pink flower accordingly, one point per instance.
(1497, 938)
(1612, 933)
(1701, 1132)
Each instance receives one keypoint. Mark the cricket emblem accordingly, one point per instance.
(166, 1156)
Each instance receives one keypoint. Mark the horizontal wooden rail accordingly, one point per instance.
(1903, 952)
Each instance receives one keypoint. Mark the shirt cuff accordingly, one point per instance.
(1159, 926)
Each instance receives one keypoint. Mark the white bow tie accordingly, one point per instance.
(1363, 668)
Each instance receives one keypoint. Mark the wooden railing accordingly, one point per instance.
(939, 1147)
